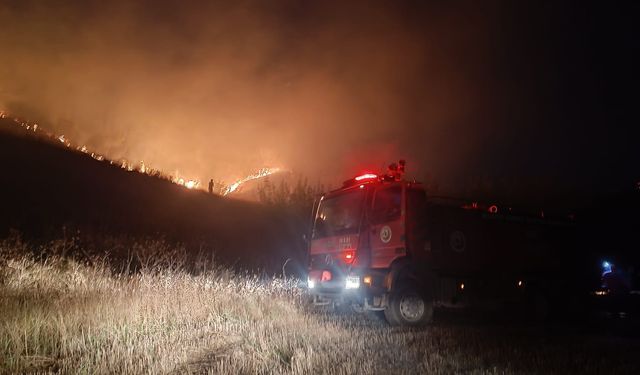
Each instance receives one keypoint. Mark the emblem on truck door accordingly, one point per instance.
(385, 234)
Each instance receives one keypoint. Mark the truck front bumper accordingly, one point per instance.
(350, 290)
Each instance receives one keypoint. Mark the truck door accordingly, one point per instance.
(418, 243)
(387, 232)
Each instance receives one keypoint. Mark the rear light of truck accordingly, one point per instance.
(348, 256)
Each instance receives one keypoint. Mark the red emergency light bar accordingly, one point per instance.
(363, 178)
(395, 173)
(366, 176)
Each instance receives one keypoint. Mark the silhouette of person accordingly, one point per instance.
(211, 186)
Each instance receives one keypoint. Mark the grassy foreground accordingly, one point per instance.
(63, 316)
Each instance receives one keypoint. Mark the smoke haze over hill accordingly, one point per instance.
(215, 90)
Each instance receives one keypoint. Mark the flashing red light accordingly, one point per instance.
(366, 176)
(348, 256)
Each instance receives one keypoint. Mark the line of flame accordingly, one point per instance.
(261, 173)
(143, 167)
(124, 164)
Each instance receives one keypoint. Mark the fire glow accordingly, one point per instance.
(142, 167)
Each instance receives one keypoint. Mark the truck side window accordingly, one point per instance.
(387, 205)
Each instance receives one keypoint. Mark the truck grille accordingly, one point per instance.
(322, 261)
(326, 262)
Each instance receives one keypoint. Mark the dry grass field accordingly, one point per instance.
(59, 315)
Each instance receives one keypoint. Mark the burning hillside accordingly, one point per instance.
(221, 187)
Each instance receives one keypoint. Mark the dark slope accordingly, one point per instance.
(45, 186)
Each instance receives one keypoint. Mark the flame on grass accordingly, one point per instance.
(261, 173)
(142, 167)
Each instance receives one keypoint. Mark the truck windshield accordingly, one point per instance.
(339, 215)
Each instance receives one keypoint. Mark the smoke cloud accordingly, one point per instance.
(219, 89)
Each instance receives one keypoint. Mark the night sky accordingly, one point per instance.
(535, 91)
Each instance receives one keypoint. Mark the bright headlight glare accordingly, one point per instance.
(311, 284)
(352, 282)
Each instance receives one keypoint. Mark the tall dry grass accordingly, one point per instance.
(68, 316)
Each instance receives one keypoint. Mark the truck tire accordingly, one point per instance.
(409, 306)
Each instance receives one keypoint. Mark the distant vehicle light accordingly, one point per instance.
(520, 283)
(461, 286)
(366, 176)
(352, 282)
(311, 283)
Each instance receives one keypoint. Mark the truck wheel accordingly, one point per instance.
(409, 307)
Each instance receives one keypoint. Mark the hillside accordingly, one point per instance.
(47, 187)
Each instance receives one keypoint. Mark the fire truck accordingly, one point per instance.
(381, 243)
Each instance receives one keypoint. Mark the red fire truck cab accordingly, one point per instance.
(379, 243)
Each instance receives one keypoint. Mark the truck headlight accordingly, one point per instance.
(352, 282)
(311, 283)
